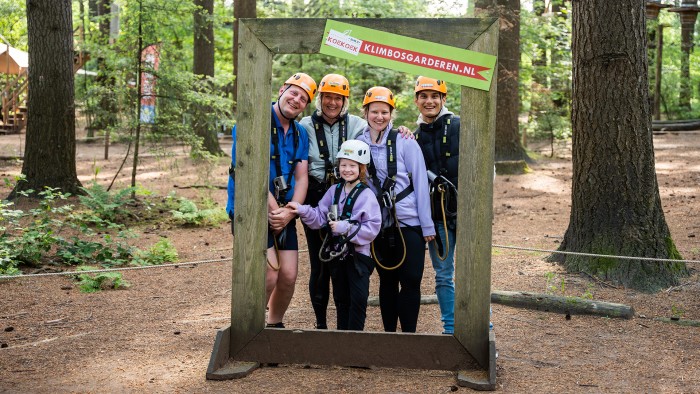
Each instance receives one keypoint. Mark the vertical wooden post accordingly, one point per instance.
(252, 167)
(475, 213)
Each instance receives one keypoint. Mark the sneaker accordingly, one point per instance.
(274, 325)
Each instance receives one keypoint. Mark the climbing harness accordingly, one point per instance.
(334, 247)
(388, 199)
(280, 183)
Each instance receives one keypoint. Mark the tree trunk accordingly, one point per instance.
(508, 146)
(204, 67)
(241, 9)
(49, 159)
(106, 115)
(615, 203)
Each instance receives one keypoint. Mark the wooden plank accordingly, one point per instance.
(252, 168)
(359, 349)
(475, 211)
(219, 356)
(306, 37)
(479, 379)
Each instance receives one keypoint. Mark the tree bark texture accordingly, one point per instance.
(241, 9)
(50, 153)
(615, 203)
(204, 67)
(508, 146)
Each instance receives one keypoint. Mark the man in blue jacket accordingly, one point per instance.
(288, 181)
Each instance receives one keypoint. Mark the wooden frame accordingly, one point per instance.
(242, 346)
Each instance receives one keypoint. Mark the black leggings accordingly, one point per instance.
(319, 277)
(350, 289)
(399, 289)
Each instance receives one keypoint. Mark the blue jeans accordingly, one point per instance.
(444, 276)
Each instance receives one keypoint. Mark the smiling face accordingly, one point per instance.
(292, 101)
(349, 169)
(378, 115)
(331, 106)
(429, 103)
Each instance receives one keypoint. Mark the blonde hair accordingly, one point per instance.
(319, 106)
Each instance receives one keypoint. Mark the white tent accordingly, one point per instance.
(13, 61)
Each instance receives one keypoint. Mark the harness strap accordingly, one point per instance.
(276, 155)
(350, 200)
(323, 147)
(392, 169)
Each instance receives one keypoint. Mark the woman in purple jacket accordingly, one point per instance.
(350, 214)
(399, 180)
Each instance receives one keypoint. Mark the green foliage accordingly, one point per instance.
(100, 281)
(161, 252)
(27, 244)
(13, 23)
(361, 76)
(104, 208)
(677, 311)
(105, 251)
(671, 70)
(110, 100)
(551, 285)
(189, 214)
(545, 74)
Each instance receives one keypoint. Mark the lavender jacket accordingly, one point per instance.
(365, 211)
(414, 209)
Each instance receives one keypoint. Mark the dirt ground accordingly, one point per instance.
(157, 335)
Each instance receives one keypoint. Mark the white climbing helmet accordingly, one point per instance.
(354, 150)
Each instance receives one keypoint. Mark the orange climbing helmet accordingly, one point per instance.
(305, 82)
(379, 94)
(427, 83)
(335, 83)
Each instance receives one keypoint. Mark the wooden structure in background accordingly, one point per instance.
(242, 346)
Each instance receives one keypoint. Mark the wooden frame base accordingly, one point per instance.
(352, 348)
(240, 348)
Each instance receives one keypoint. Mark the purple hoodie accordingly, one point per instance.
(414, 209)
(366, 211)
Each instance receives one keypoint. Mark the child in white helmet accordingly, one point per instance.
(352, 218)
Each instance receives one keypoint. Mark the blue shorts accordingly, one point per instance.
(287, 239)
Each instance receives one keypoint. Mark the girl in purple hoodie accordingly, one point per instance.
(399, 180)
(350, 214)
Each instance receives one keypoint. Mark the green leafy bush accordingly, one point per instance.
(161, 252)
(189, 214)
(105, 208)
(100, 281)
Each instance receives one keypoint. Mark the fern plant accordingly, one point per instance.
(189, 214)
(100, 281)
(105, 207)
(161, 252)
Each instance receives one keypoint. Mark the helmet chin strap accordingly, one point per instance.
(278, 104)
(280, 110)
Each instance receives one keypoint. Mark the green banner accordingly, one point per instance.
(460, 66)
